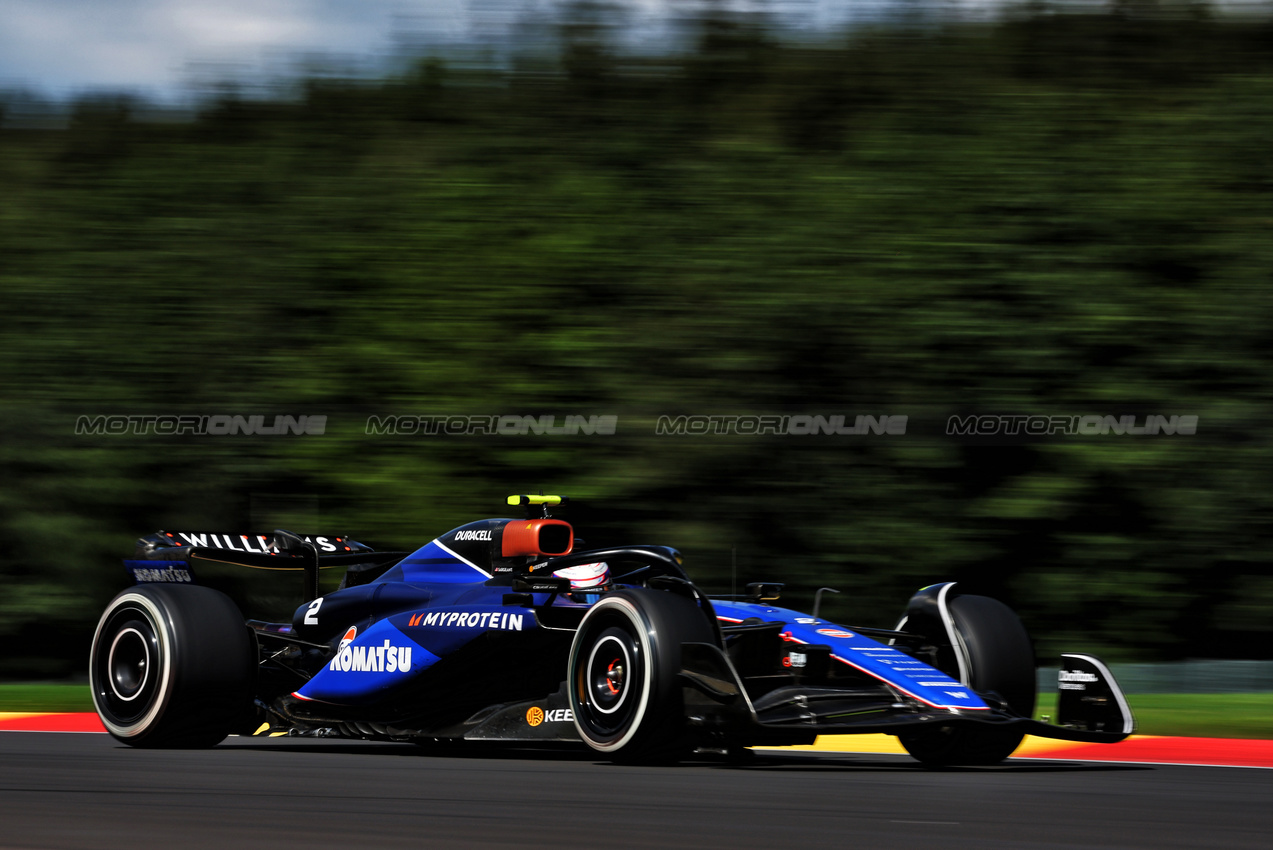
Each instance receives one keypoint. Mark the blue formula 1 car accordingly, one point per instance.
(501, 630)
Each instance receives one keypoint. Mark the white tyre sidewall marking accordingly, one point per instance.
(158, 621)
(633, 616)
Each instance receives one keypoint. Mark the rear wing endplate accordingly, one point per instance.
(170, 557)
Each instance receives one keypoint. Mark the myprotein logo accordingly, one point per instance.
(492, 620)
(388, 658)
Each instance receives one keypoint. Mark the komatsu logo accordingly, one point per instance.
(373, 659)
(499, 620)
(473, 535)
(170, 574)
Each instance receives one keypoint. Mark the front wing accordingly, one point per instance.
(1091, 707)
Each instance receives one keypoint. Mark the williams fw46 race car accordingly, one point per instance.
(501, 630)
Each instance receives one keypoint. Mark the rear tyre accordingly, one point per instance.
(624, 670)
(1000, 659)
(172, 666)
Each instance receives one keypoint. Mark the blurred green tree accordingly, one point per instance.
(1049, 215)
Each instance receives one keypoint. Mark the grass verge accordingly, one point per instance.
(46, 697)
(1192, 715)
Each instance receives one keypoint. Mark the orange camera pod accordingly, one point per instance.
(549, 537)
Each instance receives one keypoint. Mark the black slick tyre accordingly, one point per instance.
(172, 666)
(624, 671)
(1000, 659)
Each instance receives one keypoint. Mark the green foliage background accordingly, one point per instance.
(1050, 214)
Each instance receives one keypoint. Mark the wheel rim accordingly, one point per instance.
(128, 664)
(128, 668)
(608, 684)
(607, 672)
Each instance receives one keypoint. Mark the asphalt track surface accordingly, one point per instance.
(87, 791)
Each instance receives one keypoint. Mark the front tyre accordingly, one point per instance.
(171, 666)
(623, 671)
(1000, 658)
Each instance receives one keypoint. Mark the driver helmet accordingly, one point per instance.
(587, 581)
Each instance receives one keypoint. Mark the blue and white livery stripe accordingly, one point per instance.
(436, 563)
(887, 664)
(457, 556)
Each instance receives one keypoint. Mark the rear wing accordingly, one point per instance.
(168, 556)
(274, 543)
